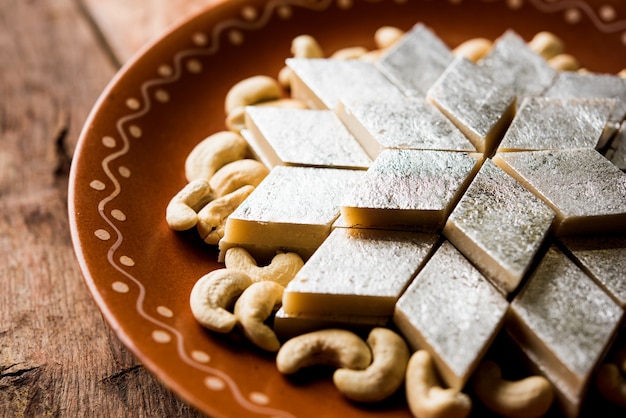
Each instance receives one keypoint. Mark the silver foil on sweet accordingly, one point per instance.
(557, 123)
(332, 80)
(453, 311)
(415, 61)
(592, 86)
(604, 258)
(503, 223)
(407, 123)
(569, 321)
(512, 62)
(473, 100)
(578, 183)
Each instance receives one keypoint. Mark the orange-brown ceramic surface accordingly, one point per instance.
(130, 158)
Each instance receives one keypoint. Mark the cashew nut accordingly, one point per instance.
(212, 153)
(372, 56)
(253, 307)
(281, 270)
(546, 44)
(181, 213)
(232, 176)
(333, 347)
(306, 46)
(212, 217)
(384, 376)
(284, 77)
(564, 62)
(425, 397)
(612, 384)
(252, 90)
(622, 73)
(529, 397)
(236, 120)
(473, 49)
(386, 36)
(611, 378)
(349, 53)
(215, 293)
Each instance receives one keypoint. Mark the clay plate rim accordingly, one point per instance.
(129, 159)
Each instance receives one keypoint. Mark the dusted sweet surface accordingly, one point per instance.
(452, 309)
(406, 122)
(292, 209)
(306, 137)
(298, 195)
(334, 80)
(593, 86)
(579, 183)
(512, 62)
(499, 225)
(552, 123)
(568, 315)
(357, 272)
(476, 102)
(416, 61)
(605, 259)
(420, 181)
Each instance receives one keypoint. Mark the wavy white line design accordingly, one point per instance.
(122, 128)
(604, 27)
(124, 124)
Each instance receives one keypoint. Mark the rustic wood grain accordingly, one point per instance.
(129, 25)
(57, 356)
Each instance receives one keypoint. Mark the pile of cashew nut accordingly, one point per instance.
(219, 178)
(244, 295)
(251, 292)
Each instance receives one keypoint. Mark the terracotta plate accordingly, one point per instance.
(129, 163)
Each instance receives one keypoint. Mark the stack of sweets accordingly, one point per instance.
(448, 198)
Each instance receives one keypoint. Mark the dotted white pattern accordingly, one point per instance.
(604, 17)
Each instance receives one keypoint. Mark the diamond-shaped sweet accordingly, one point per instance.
(409, 189)
(591, 86)
(586, 191)
(552, 123)
(321, 83)
(303, 137)
(452, 311)
(480, 106)
(512, 62)
(499, 225)
(564, 322)
(415, 61)
(292, 209)
(604, 259)
(404, 123)
(357, 272)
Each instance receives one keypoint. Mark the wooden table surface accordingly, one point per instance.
(57, 355)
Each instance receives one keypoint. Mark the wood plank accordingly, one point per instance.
(57, 356)
(128, 25)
